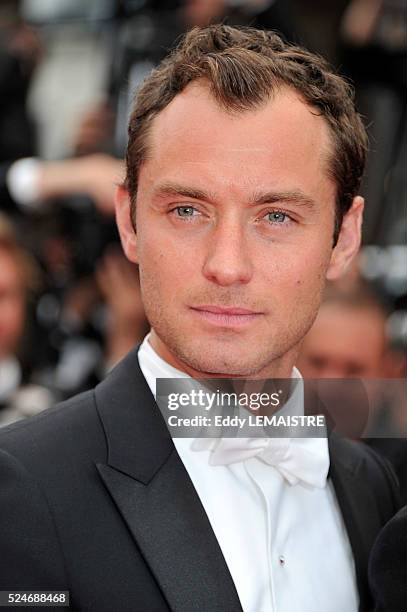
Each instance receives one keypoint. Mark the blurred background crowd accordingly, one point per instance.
(70, 304)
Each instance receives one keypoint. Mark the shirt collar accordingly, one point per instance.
(153, 367)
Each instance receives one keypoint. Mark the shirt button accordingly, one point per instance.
(281, 560)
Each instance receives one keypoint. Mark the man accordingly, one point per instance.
(29, 182)
(243, 165)
(348, 338)
(19, 278)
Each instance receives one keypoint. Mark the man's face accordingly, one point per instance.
(235, 218)
(344, 342)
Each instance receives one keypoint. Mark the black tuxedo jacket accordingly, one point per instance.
(387, 570)
(94, 499)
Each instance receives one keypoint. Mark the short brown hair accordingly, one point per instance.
(244, 66)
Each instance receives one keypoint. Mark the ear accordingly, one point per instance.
(348, 241)
(128, 236)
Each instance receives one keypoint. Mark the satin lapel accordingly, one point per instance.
(156, 498)
(359, 510)
(173, 533)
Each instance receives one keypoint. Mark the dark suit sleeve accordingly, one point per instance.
(387, 564)
(385, 482)
(31, 558)
(387, 568)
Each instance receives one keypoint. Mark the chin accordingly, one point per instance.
(220, 366)
(226, 370)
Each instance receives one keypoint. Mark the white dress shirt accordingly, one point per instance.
(285, 545)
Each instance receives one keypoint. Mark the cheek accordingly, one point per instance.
(166, 262)
(162, 279)
(294, 291)
(297, 270)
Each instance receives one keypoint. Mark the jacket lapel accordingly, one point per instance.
(359, 509)
(156, 498)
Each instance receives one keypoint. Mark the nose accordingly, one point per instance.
(227, 261)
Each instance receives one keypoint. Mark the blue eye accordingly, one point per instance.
(276, 216)
(185, 211)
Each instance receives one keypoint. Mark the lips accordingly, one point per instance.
(226, 317)
(225, 311)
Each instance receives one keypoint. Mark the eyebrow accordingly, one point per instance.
(294, 196)
(175, 189)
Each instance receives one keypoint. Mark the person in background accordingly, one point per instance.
(126, 323)
(349, 340)
(31, 182)
(18, 277)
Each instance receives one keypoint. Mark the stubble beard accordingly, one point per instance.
(222, 355)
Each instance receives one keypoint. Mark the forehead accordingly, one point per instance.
(284, 142)
(355, 329)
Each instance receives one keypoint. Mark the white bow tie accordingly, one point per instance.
(297, 459)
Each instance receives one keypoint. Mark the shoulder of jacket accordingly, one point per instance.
(50, 427)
